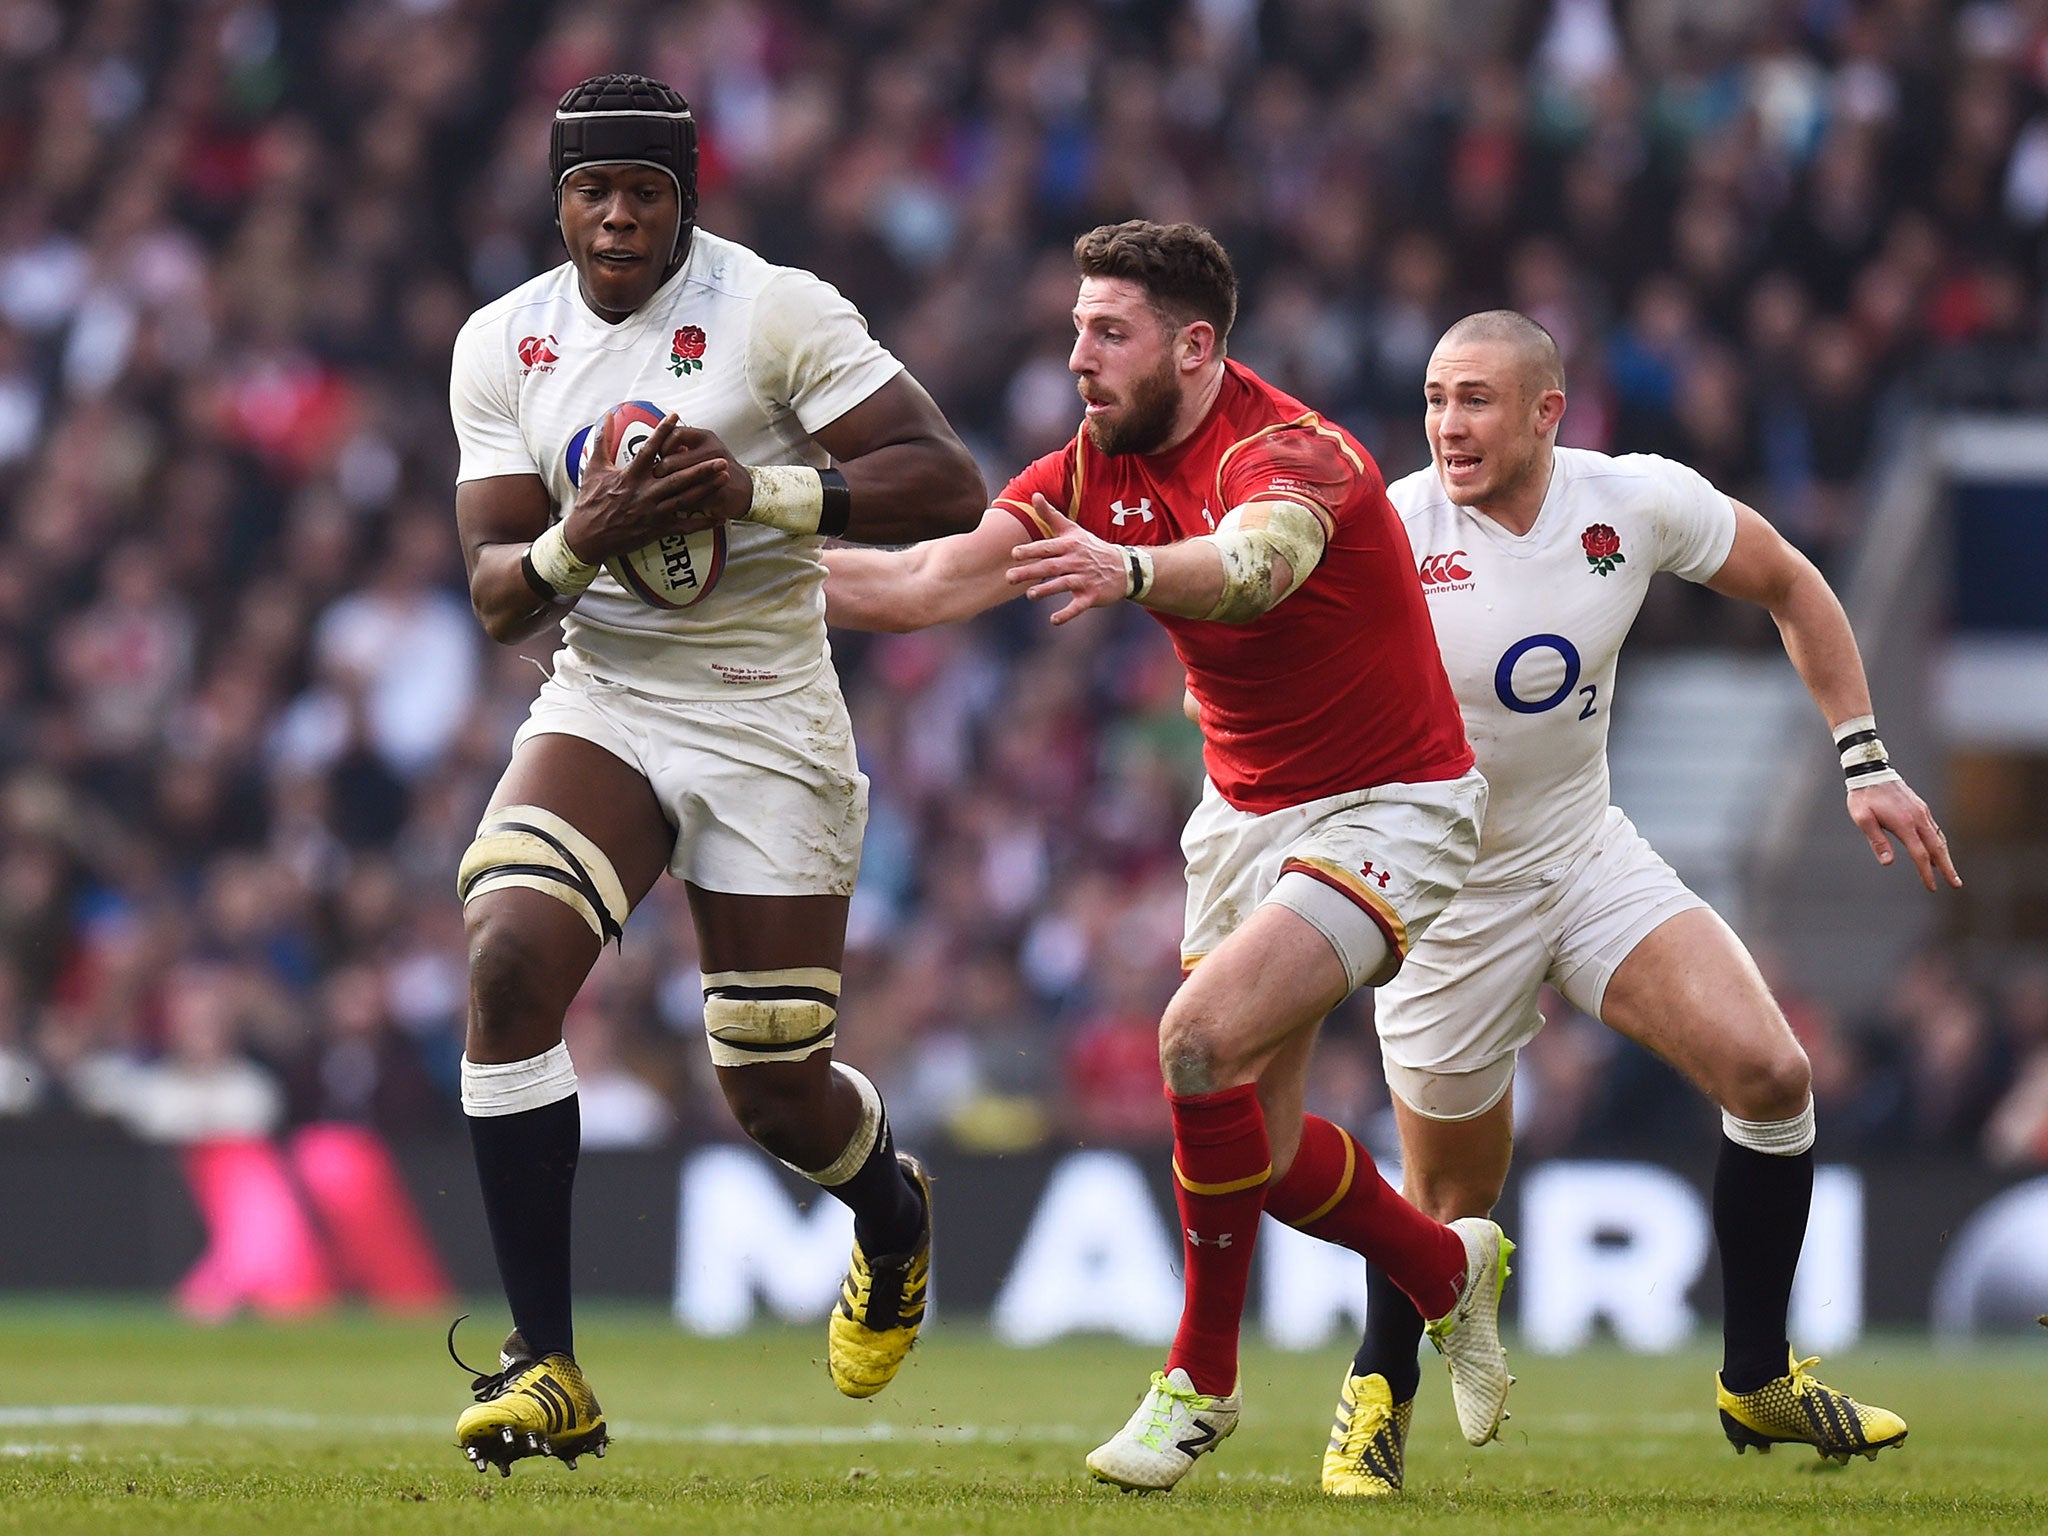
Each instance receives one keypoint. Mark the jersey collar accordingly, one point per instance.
(633, 330)
(1526, 543)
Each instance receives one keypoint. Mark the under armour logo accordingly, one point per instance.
(1380, 875)
(1199, 1241)
(1119, 513)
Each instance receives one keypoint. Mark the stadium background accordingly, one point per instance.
(247, 721)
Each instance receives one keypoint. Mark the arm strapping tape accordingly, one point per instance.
(1248, 538)
(1864, 760)
(550, 558)
(1138, 573)
(800, 500)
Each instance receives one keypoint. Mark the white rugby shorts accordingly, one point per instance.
(1375, 867)
(1454, 1020)
(765, 794)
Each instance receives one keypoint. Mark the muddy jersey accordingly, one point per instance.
(1339, 687)
(1530, 626)
(762, 355)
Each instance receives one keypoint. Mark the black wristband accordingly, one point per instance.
(836, 509)
(535, 580)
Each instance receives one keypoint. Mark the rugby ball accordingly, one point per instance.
(675, 571)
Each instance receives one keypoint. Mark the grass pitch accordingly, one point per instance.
(119, 1419)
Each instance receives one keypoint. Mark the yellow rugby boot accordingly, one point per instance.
(881, 1305)
(1368, 1441)
(528, 1407)
(1798, 1409)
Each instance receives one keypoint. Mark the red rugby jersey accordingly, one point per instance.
(1340, 687)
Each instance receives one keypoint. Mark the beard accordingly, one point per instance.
(1148, 415)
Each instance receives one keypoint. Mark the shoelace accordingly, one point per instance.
(1365, 1427)
(487, 1385)
(1801, 1381)
(1164, 1396)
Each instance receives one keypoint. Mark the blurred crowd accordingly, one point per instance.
(247, 721)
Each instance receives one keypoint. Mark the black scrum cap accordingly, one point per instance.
(631, 120)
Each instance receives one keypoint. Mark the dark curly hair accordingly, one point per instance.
(1182, 268)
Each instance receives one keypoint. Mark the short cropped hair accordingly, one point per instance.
(1183, 269)
(1536, 351)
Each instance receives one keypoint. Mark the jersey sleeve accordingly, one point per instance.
(480, 403)
(1302, 462)
(1045, 477)
(810, 351)
(1694, 523)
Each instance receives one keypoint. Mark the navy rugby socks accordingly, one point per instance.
(888, 1212)
(1760, 1205)
(1393, 1336)
(526, 1168)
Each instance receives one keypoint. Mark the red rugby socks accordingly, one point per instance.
(1220, 1167)
(1334, 1191)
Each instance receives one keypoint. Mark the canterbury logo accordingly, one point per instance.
(1438, 570)
(1203, 1437)
(538, 352)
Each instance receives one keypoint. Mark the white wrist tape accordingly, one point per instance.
(787, 496)
(1248, 538)
(1138, 573)
(557, 565)
(1864, 761)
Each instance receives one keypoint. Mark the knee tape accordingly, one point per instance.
(525, 845)
(754, 1017)
(1775, 1138)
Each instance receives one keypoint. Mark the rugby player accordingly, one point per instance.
(1534, 560)
(693, 722)
(1341, 809)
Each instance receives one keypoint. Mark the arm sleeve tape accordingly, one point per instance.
(527, 845)
(754, 1017)
(787, 496)
(1248, 538)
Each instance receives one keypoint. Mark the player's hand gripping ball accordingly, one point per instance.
(676, 570)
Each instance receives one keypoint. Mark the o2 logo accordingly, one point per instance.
(1504, 678)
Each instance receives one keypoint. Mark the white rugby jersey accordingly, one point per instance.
(1530, 627)
(762, 355)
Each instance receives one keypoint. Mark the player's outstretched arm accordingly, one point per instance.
(894, 591)
(1763, 568)
(1256, 557)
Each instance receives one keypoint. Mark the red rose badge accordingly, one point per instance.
(686, 352)
(1603, 548)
